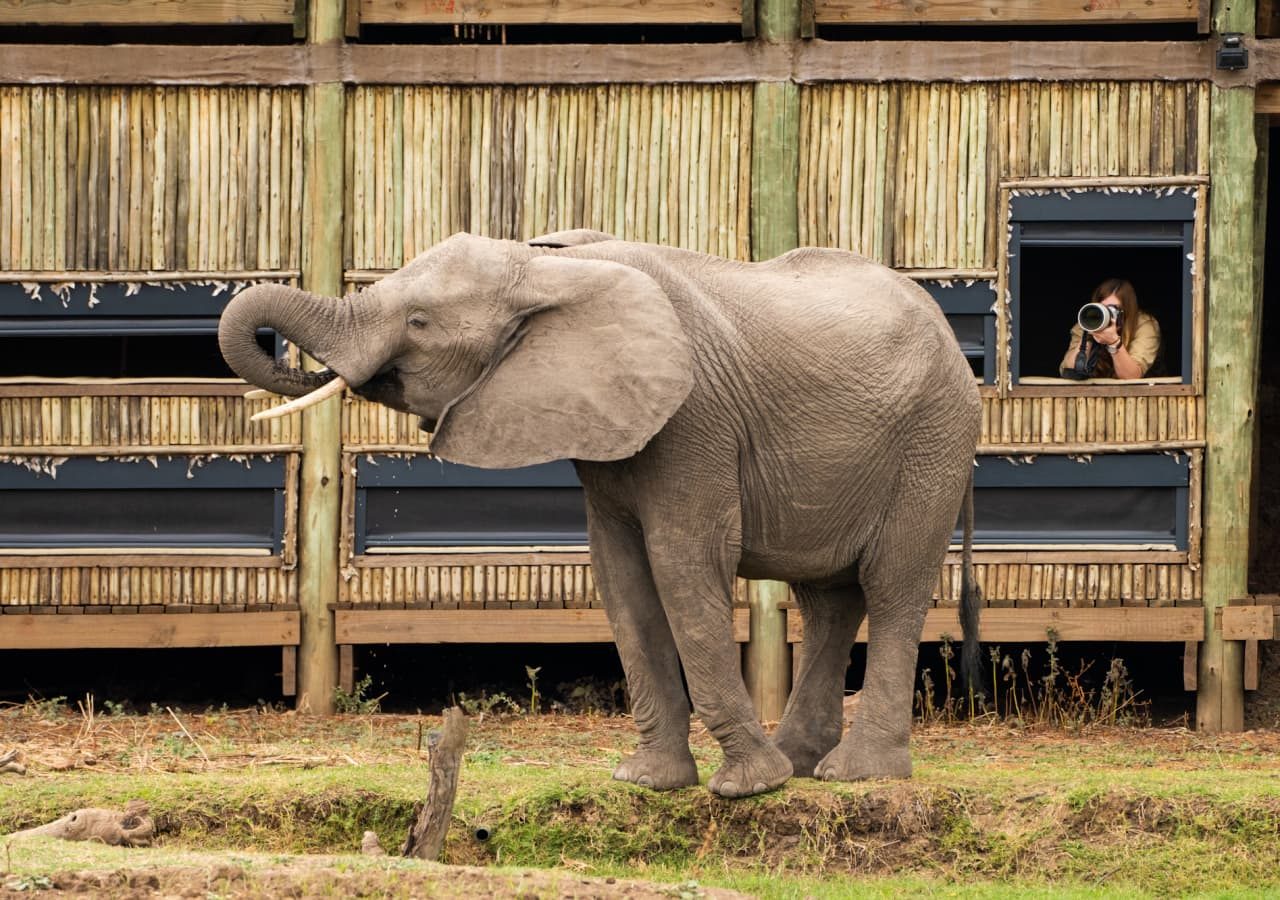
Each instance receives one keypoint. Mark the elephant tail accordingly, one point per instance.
(970, 605)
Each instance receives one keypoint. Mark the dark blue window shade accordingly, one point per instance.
(1122, 500)
(970, 310)
(90, 504)
(423, 502)
(156, 332)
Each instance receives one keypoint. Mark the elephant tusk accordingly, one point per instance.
(258, 394)
(332, 389)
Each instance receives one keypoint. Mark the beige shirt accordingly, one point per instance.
(1144, 347)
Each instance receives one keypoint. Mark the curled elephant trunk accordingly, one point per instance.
(319, 325)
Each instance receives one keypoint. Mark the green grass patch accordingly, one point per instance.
(990, 810)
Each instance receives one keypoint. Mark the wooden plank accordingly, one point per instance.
(563, 12)
(1011, 625)
(466, 556)
(1006, 12)
(803, 62)
(1240, 623)
(256, 629)
(118, 558)
(1251, 664)
(147, 12)
(1267, 98)
(346, 668)
(289, 671)
(1190, 665)
(485, 626)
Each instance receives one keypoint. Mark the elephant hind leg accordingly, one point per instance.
(814, 718)
(897, 577)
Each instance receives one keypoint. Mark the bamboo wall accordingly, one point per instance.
(209, 180)
(668, 164)
(179, 184)
(137, 587)
(1092, 420)
(150, 178)
(159, 422)
(909, 174)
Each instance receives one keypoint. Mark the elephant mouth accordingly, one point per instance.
(331, 388)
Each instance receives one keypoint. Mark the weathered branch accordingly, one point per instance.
(131, 828)
(10, 762)
(426, 837)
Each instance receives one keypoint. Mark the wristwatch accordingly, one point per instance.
(1112, 348)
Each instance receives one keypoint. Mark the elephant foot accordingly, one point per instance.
(856, 759)
(763, 771)
(804, 748)
(658, 769)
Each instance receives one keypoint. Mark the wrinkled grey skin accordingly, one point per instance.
(809, 419)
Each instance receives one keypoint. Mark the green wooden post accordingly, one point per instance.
(775, 171)
(1235, 309)
(319, 506)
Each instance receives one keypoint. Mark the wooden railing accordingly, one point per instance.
(152, 12)
(1006, 12)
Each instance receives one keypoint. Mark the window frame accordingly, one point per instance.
(168, 473)
(1128, 207)
(970, 297)
(422, 471)
(1154, 470)
(87, 309)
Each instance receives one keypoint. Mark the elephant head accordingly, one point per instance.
(511, 355)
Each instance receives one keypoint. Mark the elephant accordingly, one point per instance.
(809, 419)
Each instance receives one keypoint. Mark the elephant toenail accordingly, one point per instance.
(760, 787)
(644, 781)
(728, 789)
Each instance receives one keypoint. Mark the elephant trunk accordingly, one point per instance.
(321, 326)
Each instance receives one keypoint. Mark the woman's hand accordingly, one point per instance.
(1107, 336)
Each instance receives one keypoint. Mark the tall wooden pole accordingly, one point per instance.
(1235, 312)
(319, 512)
(775, 172)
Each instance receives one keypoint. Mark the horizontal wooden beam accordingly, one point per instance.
(1172, 623)
(258, 629)
(465, 557)
(485, 626)
(1005, 12)
(538, 12)
(802, 62)
(147, 12)
(1266, 102)
(1243, 623)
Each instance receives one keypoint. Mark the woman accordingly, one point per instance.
(1124, 352)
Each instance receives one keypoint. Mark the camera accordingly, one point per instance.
(1097, 316)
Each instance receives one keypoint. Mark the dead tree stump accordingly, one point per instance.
(444, 749)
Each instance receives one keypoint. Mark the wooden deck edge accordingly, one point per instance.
(485, 626)
(1156, 624)
(222, 629)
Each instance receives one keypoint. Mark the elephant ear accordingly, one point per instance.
(596, 366)
(574, 237)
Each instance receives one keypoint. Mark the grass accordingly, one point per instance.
(991, 809)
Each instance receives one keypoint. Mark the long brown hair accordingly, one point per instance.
(1105, 366)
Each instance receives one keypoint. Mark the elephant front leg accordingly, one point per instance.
(700, 611)
(649, 658)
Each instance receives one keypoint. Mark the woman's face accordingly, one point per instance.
(1111, 300)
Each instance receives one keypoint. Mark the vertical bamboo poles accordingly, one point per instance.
(907, 173)
(666, 164)
(150, 178)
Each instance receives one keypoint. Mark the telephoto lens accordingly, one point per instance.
(1096, 316)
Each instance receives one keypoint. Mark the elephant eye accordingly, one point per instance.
(418, 320)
